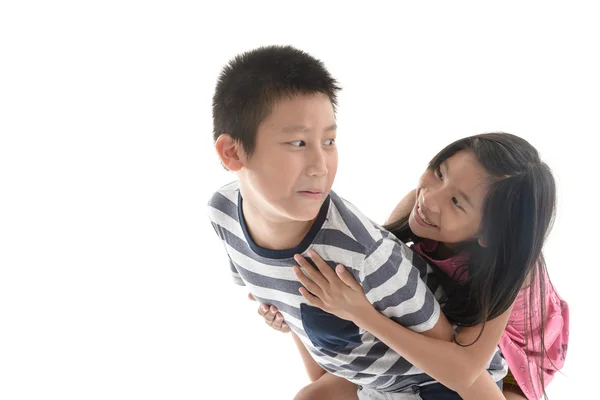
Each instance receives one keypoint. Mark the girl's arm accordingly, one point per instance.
(403, 208)
(484, 387)
(454, 366)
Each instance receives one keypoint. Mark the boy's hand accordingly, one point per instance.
(272, 317)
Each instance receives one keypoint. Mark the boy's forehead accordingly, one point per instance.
(300, 112)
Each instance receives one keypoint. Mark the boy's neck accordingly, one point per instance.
(274, 235)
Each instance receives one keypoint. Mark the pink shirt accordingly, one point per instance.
(513, 344)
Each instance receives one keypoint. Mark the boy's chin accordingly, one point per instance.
(302, 212)
(305, 217)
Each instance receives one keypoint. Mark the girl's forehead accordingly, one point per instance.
(467, 174)
(464, 162)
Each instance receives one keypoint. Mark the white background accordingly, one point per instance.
(113, 284)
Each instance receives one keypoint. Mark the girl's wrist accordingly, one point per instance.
(365, 316)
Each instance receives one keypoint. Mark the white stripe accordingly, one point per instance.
(231, 191)
(225, 221)
(340, 256)
(335, 221)
(395, 283)
(369, 226)
(379, 259)
(252, 265)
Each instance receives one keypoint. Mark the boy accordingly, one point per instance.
(274, 125)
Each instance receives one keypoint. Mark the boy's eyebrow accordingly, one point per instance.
(304, 128)
(460, 192)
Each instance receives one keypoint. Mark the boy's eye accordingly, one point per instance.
(298, 143)
(438, 172)
(329, 142)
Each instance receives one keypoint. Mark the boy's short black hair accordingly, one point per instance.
(253, 81)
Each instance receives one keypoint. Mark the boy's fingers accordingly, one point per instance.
(263, 309)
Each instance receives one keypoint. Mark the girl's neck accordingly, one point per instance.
(447, 250)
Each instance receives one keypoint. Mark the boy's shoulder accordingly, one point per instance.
(230, 190)
(343, 216)
(225, 200)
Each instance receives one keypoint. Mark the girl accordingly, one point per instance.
(479, 216)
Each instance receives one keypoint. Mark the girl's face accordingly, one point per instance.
(449, 203)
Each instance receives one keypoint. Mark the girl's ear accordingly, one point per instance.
(481, 242)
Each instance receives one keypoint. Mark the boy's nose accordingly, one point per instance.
(318, 164)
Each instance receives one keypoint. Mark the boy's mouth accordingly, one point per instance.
(312, 194)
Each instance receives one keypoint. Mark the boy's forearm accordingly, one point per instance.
(313, 369)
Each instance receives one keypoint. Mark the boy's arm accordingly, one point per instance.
(395, 286)
(313, 369)
(237, 279)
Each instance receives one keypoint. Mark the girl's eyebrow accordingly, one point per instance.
(460, 192)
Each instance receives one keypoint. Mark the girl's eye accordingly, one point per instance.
(438, 172)
(298, 143)
(457, 204)
(330, 142)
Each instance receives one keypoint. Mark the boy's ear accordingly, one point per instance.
(230, 152)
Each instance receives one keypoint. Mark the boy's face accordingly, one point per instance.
(294, 163)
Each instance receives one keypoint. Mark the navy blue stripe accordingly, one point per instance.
(418, 317)
(401, 295)
(362, 363)
(242, 247)
(224, 205)
(281, 285)
(400, 367)
(384, 272)
(342, 241)
(354, 225)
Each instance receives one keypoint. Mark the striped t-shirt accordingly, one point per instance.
(395, 281)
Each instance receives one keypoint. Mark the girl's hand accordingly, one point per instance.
(335, 292)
